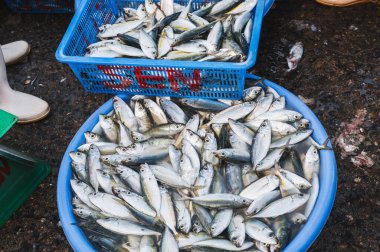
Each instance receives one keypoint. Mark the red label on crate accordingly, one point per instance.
(5, 169)
(146, 78)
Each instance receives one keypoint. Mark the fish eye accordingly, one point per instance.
(244, 201)
(121, 172)
(78, 154)
(128, 243)
(301, 195)
(181, 227)
(315, 151)
(129, 159)
(212, 228)
(104, 173)
(106, 158)
(191, 133)
(80, 212)
(129, 193)
(181, 160)
(92, 135)
(124, 149)
(207, 141)
(142, 169)
(92, 147)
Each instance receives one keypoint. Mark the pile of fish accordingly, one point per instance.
(219, 31)
(196, 174)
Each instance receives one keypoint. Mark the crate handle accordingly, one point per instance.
(256, 29)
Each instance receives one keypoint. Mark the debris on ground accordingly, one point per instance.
(362, 160)
(302, 25)
(295, 56)
(351, 136)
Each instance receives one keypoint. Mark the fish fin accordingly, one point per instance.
(324, 145)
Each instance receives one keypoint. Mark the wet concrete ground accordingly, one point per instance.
(340, 70)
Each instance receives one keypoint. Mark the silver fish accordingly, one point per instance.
(109, 128)
(245, 133)
(263, 104)
(82, 190)
(283, 206)
(237, 143)
(148, 45)
(214, 38)
(245, 6)
(236, 230)
(175, 157)
(114, 29)
(150, 187)
(204, 180)
(222, 6)
(125, 138)
(147, 244)
(191, 238)
(130, 177)
(125, 227)
(92, 137)
(126, 50)
(294, 138)
(167, 211)
(259, 231)
(233, 155)
(221, 244)
(311, 162)
(262, 201)
(260, 187)
(278, 128)
(313, 192)
(173, 111)
(233, 178)
(112, 205)
(235, 112)
(182, 213)
(280, 115)
(142, 117)
(168, 242)
(93, 164)
(260, 146)
(221, 221)
(225, 200)
(156, 112)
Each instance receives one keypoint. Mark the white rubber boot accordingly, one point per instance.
(26, 107)
(15, 51)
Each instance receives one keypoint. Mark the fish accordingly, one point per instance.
(236, 230)
(259, 231)
(262, 143)
(111, 205)
(311, 162)
(93, 164)
(148, 45)
(125, 227)
(283, 206)
(221, 200)
(222, 244)
(109, 128)
(150, 187)
(168, 242)
(182, 213)
(221, 221)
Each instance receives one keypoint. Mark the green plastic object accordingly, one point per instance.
(6, 122)
(20, 175)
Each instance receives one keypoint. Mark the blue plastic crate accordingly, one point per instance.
(41, 6)
(146, 76)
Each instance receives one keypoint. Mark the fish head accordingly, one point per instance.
(177, 127)
(247, 168)
(93, 150)
(312, 153)
(77, 156)
(298, 218)
(237, 239)
(91, 137)
(294, 116)
(243, 201)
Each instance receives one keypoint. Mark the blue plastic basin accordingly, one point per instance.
(303, 240)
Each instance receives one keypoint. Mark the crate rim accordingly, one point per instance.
(248, 63)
